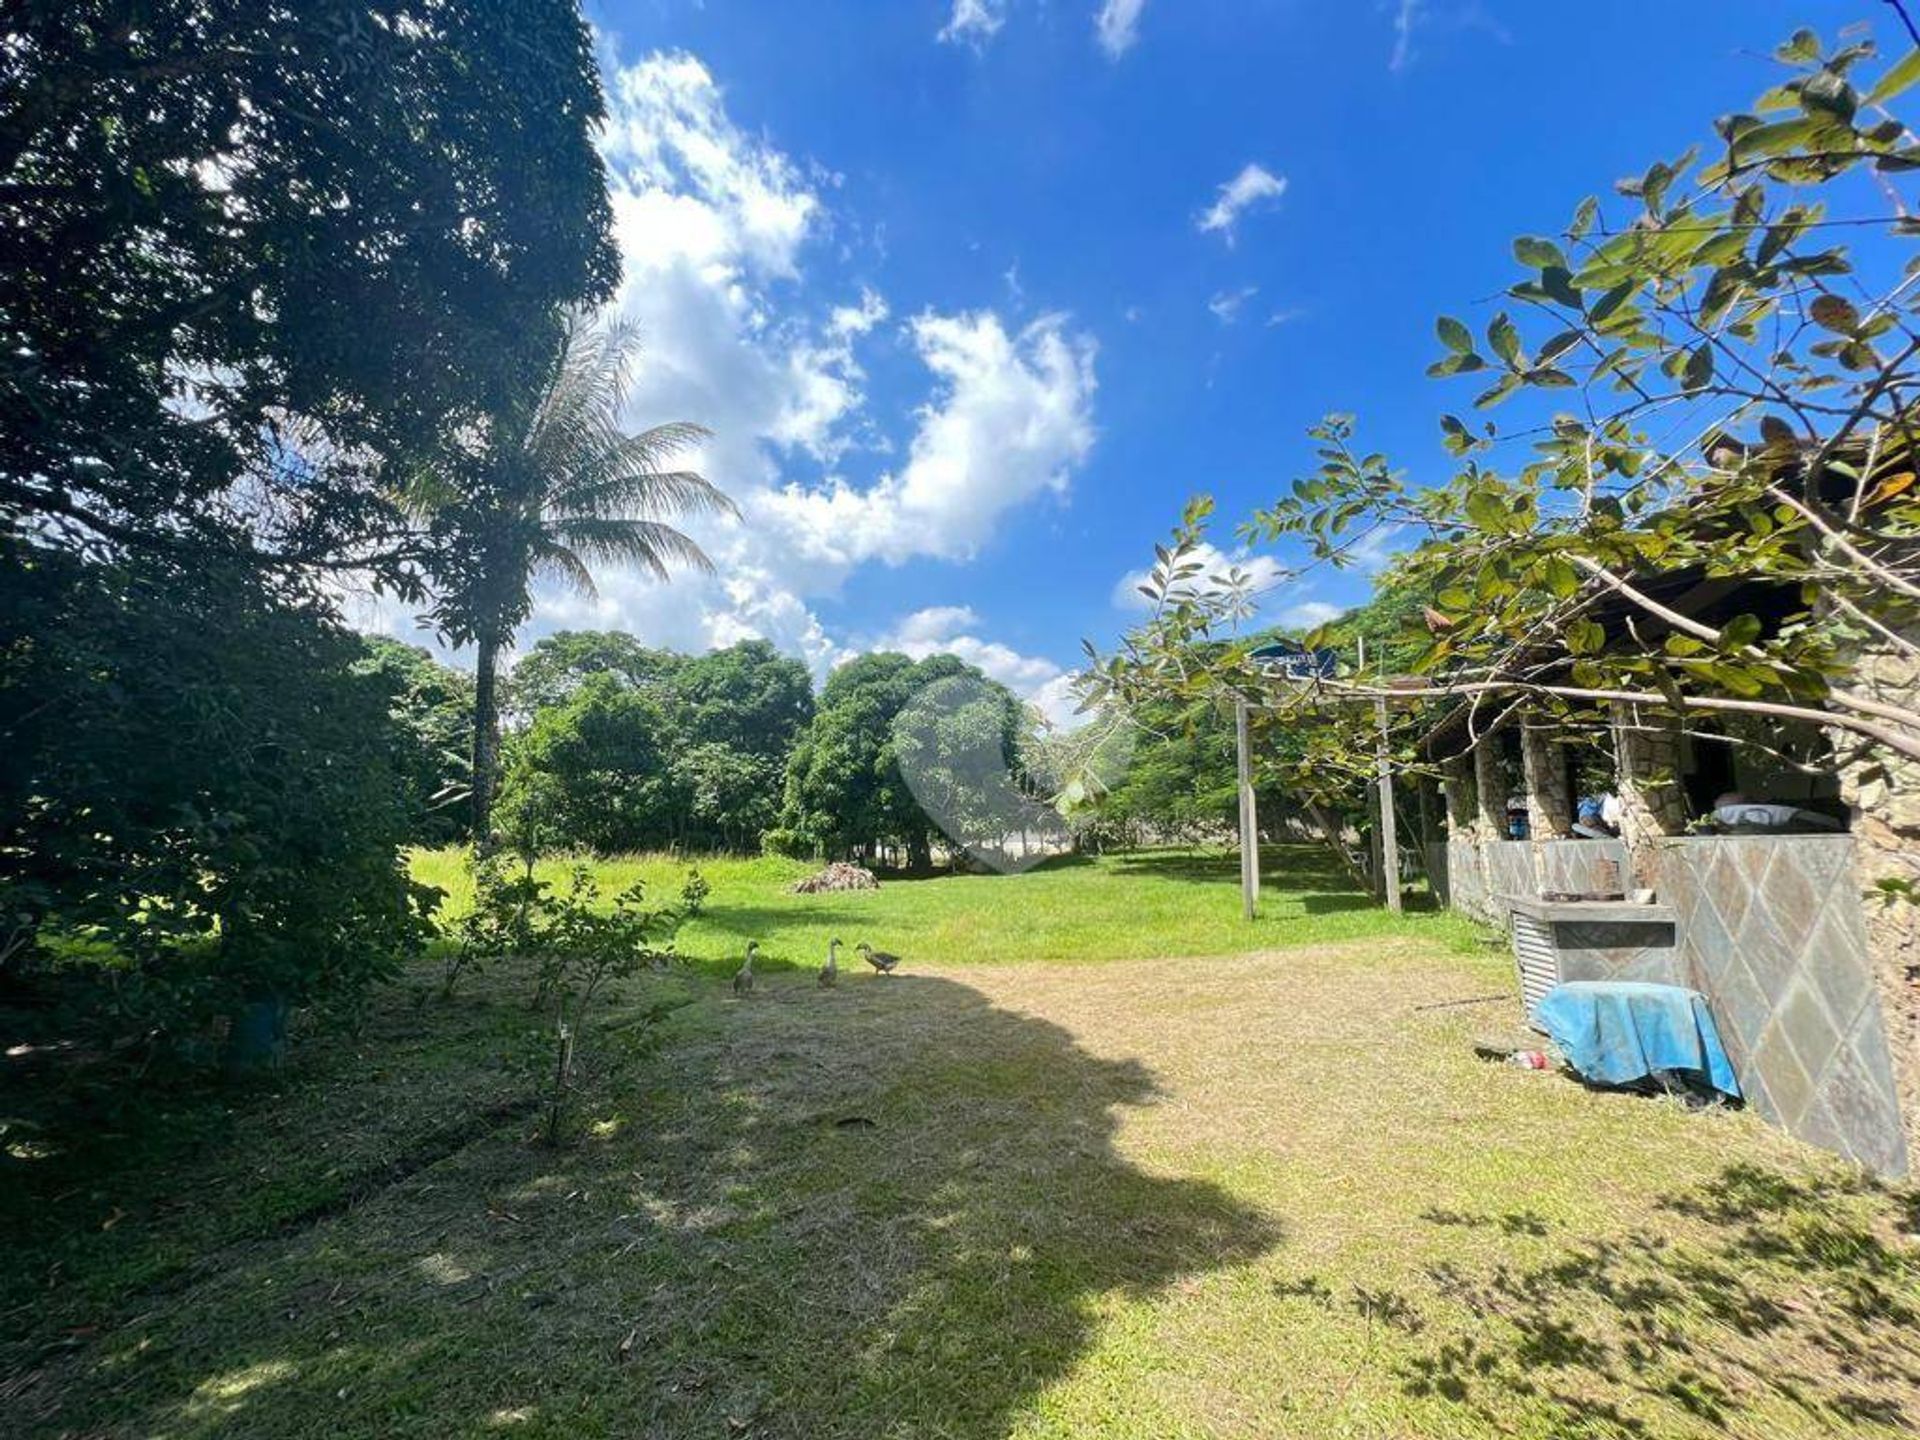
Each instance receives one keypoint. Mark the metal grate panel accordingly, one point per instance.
(1537, 958)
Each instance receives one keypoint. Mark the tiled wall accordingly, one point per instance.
(1772, 932)
(1470, 878)
(1578, 867)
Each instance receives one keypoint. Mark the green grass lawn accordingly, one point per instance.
(1181, 1193)
(1162, 902)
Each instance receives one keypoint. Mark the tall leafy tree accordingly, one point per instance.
(194, 774)
(594, 772)
(431, 706)
(558, 664)
(748, 697)
(260, 257)
(844, 791)
(554, 487)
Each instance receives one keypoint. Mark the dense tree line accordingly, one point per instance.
(614, 746)
(619, 747)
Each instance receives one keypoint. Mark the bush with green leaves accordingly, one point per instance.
(573, 944)
(198, 805)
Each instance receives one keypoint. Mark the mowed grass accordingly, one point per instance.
(1172, 1195)
(1158, 902)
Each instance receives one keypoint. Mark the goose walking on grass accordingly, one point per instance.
(743, 977)
(880, 960)
(830, 972)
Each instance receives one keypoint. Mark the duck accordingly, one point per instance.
(743, 977)
(830, 972)
(880, 960)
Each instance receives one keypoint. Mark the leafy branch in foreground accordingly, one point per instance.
(1740, 389)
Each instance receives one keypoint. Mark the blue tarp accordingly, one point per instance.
(1622, 1032)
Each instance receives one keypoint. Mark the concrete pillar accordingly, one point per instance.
(1884, 792)
(1646, 752)
(1493, 787)
(1463, 807)
(1549, 795)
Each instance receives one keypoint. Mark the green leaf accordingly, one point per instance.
(1455, 365)
(1585, 637)
(1487, 399)
(1559, 576)
(1504, 339)
(1538, 254)
(1898, 77)
(1835, 313)
(1740, 632)
(1455, 336)
(1778, 138)
(1557, 281)
(1828, 94)
(1699, 368)
(1610, 302)
(1559, 345)
(1487, 510)
(1589, 211)
(1802, 49)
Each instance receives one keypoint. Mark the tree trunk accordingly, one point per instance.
(486, 739)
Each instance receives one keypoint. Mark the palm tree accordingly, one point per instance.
(553, 490)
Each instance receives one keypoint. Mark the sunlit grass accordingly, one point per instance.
(1237, 1195)
(1154, 903)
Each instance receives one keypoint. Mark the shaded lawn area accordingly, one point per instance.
(1239, 1196)
(1159, 902)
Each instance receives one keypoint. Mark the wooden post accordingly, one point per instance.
(1249, 816)
(1389, 822)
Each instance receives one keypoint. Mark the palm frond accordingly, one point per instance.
(643, 493)
(579, 415)
(648, 544)
(561, 563)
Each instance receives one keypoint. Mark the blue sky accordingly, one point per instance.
(960, 288)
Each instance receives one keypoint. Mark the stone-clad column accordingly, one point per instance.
(1493, 786)
(1549, 796)
(1883, 790)
(1463, 807)
(1646, 752)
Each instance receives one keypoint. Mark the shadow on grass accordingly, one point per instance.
(890, 1209)
(1305, 874)
(1285, 867)
(1790, 1293)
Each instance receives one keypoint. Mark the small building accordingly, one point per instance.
(1808, 958)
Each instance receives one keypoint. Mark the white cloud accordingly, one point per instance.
(1405, 20)
(1254, 185)
(1306, 614)
(974, 22)
(1057, 702)
(1010, 419)
(717, 228)
(1263, 571)
(714, 227)
(1117, 26)
(1226, 304)
(1373, 550)
(951, 630)
(1411, 17)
